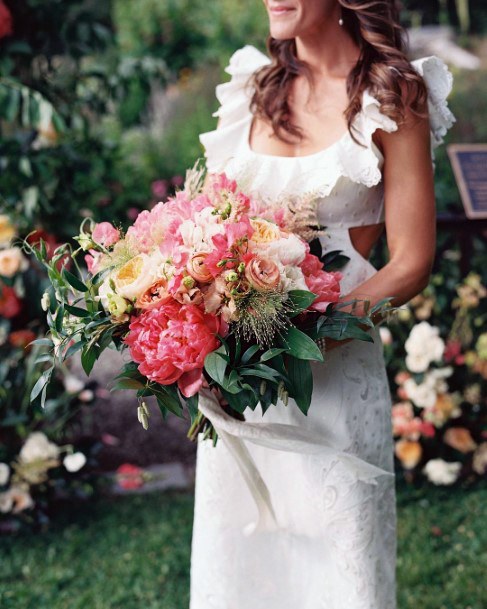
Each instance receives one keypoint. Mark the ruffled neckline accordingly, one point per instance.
(229, 146)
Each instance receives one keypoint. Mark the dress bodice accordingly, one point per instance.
(345, 177)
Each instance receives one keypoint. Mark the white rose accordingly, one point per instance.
(292, 278)
(137, 275)
(290, 250)
(72, 384)
(12, 261)
(38, 448)
(423, 395)
(73, 463)
(441, 472)
(423, 346)
(4, 473)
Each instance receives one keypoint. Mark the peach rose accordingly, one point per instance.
(11, 262)
(263, 274)
(409, 453)
(264, 231)
(197, 269)
(154, 296)
(460, 439)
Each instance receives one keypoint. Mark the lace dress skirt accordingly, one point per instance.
(334, 543)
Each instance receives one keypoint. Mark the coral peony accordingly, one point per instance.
(105, 234)
(327, 288)
(170, 344)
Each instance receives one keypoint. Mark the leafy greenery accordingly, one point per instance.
(139, 554)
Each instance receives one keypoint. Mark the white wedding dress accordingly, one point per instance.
(328, 477)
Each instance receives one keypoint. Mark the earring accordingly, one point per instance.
(340, 21)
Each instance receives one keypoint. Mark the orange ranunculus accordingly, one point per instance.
(154, 296)
(460, 439)
(263, 274)
(409, 453)
(197, 269)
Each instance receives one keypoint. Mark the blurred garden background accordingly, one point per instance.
(101, 104)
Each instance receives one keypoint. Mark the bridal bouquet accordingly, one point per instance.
(210, 289)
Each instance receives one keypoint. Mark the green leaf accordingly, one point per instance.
(270, 354)
(127, 384)
(169, 402)
(74, 281)
(43, 342)
(334, 261)
(88, 359)
(77, 311)
(74, 348)
(215, 366)
(301, 378)
(301, 300)
(301, 346)
(192, 405)
(41, 383)
(249, 354)
(58, 322)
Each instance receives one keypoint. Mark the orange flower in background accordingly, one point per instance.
(460, 439)
(130, 477)
(6, 23)
(21, 338)
(409, 453)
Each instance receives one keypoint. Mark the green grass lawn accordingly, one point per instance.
(133, 553)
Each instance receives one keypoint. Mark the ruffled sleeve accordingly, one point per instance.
(234, 97)
(439, 82)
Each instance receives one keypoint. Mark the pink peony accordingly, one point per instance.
(105, 234)
(170, 344)
(326, 286)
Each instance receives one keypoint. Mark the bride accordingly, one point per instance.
(339, 112)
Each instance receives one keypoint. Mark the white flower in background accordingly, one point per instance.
(197, 233)
(4, 473)
(12, 261)
(441, 472)
(423, 346)
(425, 394)
(15, 500)
(86, 396)
(37, 447)
(73, 463)
(72, 384)
(385, 335)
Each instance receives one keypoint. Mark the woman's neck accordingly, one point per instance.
(329, 50)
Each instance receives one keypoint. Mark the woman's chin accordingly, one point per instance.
(282, 33)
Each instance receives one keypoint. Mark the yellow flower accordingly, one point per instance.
(117, 305)
(264, 231)
(7, 231)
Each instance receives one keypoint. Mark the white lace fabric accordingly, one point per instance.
(328, 476)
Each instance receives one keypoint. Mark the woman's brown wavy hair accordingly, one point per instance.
(382, 67)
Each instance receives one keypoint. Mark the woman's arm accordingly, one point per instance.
(410, 216)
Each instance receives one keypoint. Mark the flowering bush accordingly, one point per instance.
(32, 470)
(440, 380)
